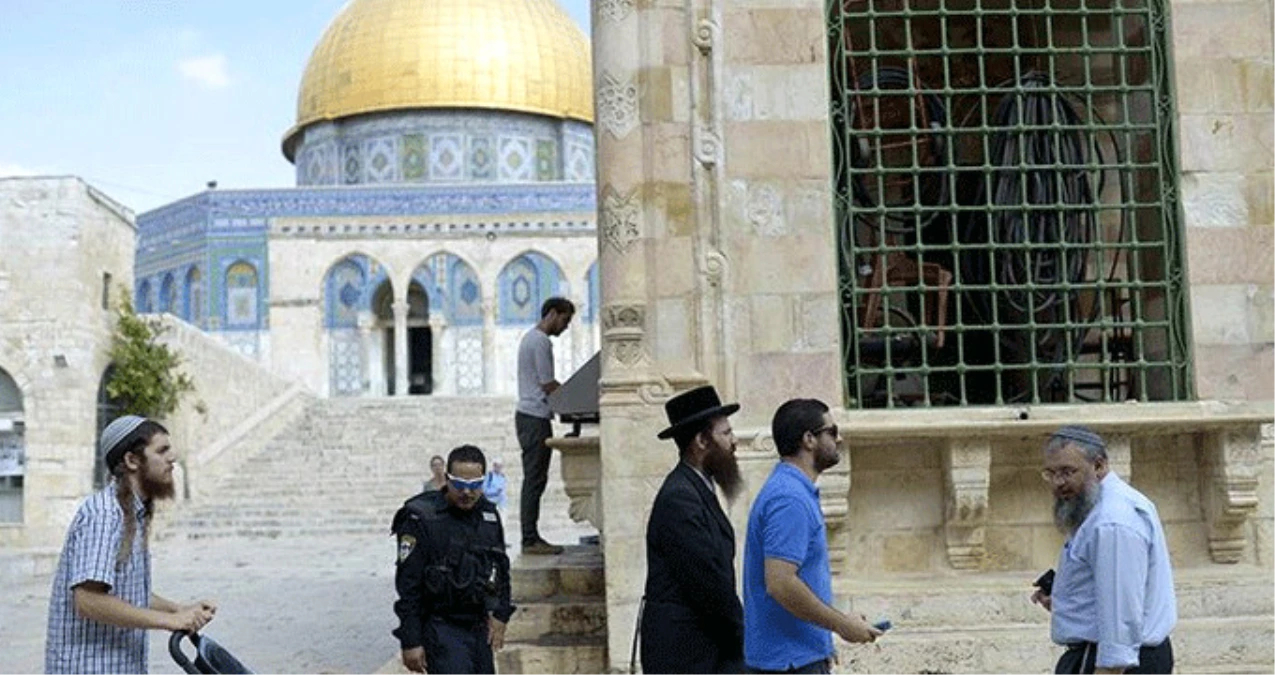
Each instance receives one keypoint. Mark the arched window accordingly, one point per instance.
(241, 295)
(168, 294)
(143, 300)
(194, 302)
(525, 283)
(12, 450)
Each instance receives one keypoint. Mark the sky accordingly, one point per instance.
(148, 100)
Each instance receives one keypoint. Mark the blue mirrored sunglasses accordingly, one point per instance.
(463, 484)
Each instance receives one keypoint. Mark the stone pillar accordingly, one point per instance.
(400, 348)
(489, 346)
(365, 322)
(1230, 461)
(443, 361)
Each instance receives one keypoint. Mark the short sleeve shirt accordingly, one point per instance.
(75, 644)
(785, 523)
(535, 368)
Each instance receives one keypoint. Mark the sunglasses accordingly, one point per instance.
(831, 428)
(463, 484)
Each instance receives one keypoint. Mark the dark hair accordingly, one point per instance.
(557, 304)
(136, 442)
(466, 453)
(684, 437)
(436, 457)
(793, 419)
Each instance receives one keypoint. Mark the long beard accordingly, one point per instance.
(721, 465)
(1070, 512)
(156, 488)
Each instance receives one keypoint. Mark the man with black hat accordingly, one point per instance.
(1111, 599)
(691, 619)
(101, 604)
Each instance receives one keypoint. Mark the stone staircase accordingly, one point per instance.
(345, 465)
(985, 624)
(560, 625)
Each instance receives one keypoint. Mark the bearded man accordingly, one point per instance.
(788, 614)
(691, 620)
(1112, 599)
(101, 604)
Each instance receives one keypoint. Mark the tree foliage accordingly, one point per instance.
(146, 379)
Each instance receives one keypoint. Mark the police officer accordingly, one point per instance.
(453, 573)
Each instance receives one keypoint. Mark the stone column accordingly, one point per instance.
(489, 345)
(967, 464)
(365, 352)
(400, 348)
(1230, 463)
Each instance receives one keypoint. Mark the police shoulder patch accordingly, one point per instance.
(406, 543)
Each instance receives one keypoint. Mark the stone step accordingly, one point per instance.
(585, 616)
(577, 572)
(1004, 599)
(554, 654)
(1232, 644)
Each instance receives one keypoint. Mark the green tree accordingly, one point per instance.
(146, 380)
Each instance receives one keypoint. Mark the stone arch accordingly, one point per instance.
(242, 282)
(351, 289)
(524, 284)
(168, 293)
(12, 448)
(193, 296)
(453, 286)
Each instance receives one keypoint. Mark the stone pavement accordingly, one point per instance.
(304, 605)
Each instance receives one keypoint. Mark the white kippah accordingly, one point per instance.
(117, 431)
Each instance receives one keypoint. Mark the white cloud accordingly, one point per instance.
(10, 169)
(207, 71)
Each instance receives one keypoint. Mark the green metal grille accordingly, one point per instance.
(1006, 202)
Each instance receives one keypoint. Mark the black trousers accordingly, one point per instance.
(820, 667)
(1081, 658)
(532, 434)
(457, 647)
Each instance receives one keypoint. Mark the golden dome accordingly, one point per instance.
(376, 55)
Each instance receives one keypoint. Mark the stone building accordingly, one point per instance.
(444, 170)
(68, 251)
(962, 224)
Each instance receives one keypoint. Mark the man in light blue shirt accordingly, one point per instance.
(1112, 600)
(788, 609)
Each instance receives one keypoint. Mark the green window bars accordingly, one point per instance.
(1007, 209)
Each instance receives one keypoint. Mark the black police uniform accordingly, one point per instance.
(452, 573)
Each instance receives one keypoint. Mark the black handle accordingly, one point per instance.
(175, 649)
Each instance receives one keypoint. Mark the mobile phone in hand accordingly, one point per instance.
(883, 625)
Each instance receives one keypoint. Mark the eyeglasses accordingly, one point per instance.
(464, 484)
(831, 428)
(1063, 474)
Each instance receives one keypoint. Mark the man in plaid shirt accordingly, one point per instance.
(101, 604)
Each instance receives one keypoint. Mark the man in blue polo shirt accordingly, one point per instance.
(788, 609)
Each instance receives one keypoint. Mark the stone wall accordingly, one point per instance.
(230, 389)
(60, 237)
(718, 264)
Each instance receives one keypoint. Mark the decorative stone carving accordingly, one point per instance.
(621, 218)
(967, 463)
(834, 500)
(623, 331)
(707, 147)
(765, 211)
(581, 466)
(1120, 455)
(705, 35)
(714, 267)
(614, 11)
(617, 104)
(1228, 486)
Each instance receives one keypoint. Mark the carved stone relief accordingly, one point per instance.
(967, 464)
(617, 104)
(1228, 485)
(623, 331)
(621, 218)
(614, 11)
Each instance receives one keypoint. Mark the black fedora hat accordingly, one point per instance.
(694, 406)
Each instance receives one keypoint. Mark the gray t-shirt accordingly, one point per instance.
(535, 368)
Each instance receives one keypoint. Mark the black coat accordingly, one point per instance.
(692, 621)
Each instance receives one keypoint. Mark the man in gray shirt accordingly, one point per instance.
(532, 419)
